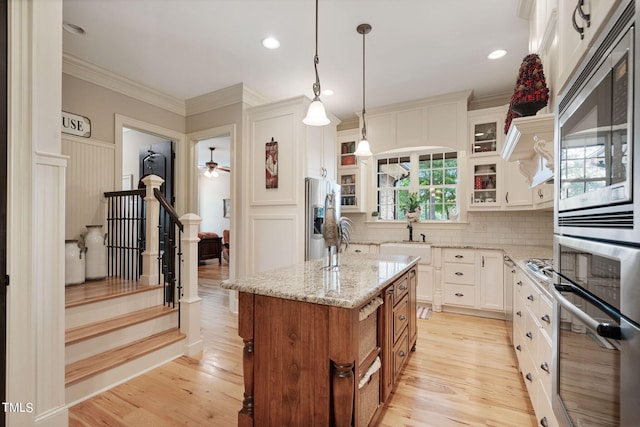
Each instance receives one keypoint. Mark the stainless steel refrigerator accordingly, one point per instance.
(316, 190)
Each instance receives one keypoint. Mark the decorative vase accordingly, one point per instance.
(96, 264)
(74, 262)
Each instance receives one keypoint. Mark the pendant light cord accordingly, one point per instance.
(316, 60)
(364, 123)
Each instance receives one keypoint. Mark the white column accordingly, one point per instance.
(189, 300)
(150, 261)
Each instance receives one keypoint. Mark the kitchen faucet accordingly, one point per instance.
(424, 238)
(410, 227)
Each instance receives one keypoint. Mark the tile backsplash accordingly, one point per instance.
(530, 228)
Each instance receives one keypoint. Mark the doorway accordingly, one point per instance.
(3, 206)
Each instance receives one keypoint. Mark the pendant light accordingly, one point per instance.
(363, 150)
(316, 115)
(211, 166)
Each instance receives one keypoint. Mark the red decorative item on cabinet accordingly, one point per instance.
(530, 93)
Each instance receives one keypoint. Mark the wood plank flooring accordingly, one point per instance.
(463, 373)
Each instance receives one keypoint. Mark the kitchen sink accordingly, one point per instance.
(423, 250)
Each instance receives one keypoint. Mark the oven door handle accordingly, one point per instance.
(605, 330)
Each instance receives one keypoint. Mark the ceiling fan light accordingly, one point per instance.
(207, 173)
(316, 115)
(215, 173)
(363, 150)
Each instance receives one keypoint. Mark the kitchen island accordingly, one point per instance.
(325, 347)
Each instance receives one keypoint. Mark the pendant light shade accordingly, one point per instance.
(363, 149)
(316, 115)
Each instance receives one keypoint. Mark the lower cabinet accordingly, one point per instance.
(532, 319)
(473, 279)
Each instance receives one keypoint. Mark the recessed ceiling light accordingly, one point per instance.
(271, 43)
(327, 92)
(497, 54)
(72, 28)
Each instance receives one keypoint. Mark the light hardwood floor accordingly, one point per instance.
(463, 373)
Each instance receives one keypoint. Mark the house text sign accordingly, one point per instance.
(76, 125)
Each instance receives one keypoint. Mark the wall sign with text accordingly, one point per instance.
(74, 124)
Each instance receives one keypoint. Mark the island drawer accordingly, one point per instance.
(400, 288)
(400, 354)
(368, 328)
(400, 318)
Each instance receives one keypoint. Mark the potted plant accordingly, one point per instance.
(412, 207)
(375, 214)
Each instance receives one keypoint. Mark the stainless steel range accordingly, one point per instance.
(541, 268)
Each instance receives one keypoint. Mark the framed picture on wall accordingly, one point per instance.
(226, 207)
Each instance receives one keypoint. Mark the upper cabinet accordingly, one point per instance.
(321, 151)
(484, 132)
(351, 172)
(579, 22)
(438, 121)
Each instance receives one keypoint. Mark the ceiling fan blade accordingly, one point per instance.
(224, 168)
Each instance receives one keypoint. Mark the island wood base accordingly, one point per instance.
(301, 360)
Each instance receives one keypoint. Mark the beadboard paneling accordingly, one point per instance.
(90, 172)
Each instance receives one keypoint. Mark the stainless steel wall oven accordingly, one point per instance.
(596, 340)
(596, 163)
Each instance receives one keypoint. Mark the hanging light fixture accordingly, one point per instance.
(211, 171)
(316, 115)
(363, 150)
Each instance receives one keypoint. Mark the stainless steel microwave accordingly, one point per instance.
(596, 158)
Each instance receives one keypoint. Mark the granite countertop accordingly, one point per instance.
(360, 278)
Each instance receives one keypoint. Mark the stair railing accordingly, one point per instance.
(126, 215)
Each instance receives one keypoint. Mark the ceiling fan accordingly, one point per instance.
(212, 168)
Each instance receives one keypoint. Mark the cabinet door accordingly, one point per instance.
(543, 195)
(516, 189)
(413, 287)
(329, 151)
(491, 269)
(485, 183)
(321, 152)
(425, 283)
(351, 183)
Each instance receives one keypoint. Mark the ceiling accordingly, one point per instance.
(416, 49)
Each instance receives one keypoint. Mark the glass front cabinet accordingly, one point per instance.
(485, 183)
(350, 172)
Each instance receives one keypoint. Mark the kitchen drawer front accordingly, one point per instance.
(531, 296)
(545, 314)
(519, 313)
(464, 256)
(530, 377)
(464, 295)
(400, 354)
(400, 318)
(543, 363)
(463, 274)
(544, 410)
(531, 333)
(519, 346)
(400, 288)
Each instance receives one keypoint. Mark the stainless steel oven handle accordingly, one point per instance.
(606, 330)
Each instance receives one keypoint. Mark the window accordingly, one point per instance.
(433, 176)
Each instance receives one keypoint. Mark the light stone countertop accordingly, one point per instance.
(359, 278)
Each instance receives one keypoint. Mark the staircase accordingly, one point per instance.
(116, 329)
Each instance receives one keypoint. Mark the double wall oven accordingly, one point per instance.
(596, 329)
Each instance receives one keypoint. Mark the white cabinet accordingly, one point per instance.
(491, 266)
(516, 188)
(473, 279)
(485, 183)
(351, 173)
(321, 151)
(533, 315)
(571, 45)
(425, 283)
(484, 132)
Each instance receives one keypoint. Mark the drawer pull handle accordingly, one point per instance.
(518, 347)
(402, 317)
(403, 287)
(544, 422)
(545, 367)
(402, 353)
(458, 294)
(459, 256)
(529, 335)
(519, 283)
(530, 297)
(546, 318)
(529, 377)
(357, 251)
(519, 313)
(457, 273)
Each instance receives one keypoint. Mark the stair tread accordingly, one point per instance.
(99, 290)
(94, 329)
(102, 362)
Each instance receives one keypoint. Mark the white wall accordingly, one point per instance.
(211, 192)
(132, 140)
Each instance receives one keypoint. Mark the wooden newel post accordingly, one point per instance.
(190, 301)
(150, 256)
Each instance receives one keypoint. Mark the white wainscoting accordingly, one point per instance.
(275, 241)
(90, 173)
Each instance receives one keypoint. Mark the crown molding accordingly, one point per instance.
(238, 93)
(488, 101)
(93, 74)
